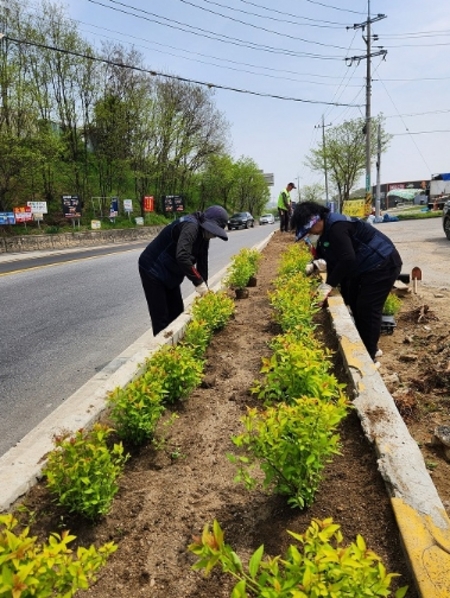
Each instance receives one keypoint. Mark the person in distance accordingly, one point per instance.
(180, 250)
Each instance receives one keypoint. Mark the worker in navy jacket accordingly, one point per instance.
(360, 259)
(180, 250)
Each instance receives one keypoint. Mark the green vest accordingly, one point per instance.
(284, 196)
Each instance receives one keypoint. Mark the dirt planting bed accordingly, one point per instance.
(166, 496)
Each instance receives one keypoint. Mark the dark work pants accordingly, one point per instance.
(366, 296)
(164, 305)
(284, 220)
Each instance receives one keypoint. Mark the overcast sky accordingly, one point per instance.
(297, 49)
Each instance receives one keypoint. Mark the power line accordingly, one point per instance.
(164, 75)
(247, 24)
(311, 2)
(407, 130)
(199, 32)
(314, 22)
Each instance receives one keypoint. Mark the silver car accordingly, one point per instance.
(267, 219)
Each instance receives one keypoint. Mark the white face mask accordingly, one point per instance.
(314, 239)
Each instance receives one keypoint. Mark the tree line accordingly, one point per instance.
(98, 123)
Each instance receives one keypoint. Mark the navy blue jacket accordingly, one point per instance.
(351, 247)
(178, 251)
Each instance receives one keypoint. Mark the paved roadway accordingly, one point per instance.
(422, 243)
(66, 315)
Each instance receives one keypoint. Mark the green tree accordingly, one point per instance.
(250, 190)
(216, 182)
(314, 192)
(345, 153)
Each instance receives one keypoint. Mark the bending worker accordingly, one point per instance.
(359, 258)
(179, 250)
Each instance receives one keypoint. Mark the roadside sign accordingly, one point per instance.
(173, 203)
(148, 203)
(22, 214)
(7, 218)
(128, 205)
(38, 206)
(71, 206)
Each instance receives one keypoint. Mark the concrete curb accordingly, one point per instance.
(421, 517)
(21, 466)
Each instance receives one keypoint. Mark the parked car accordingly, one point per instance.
(267, 219)
(446, 218)
(241, 220)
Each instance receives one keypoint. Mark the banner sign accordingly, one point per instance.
(128, 205)
(7, 218)
(173, 203)
(71, 206)
(114, 207)
(354, 207)
(23, 214)
(38, 206)
(148, 203)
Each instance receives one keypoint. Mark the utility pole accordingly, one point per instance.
(377, 197)
(323, 125)
(369, 54)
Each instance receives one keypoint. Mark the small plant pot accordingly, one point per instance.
(241, 293)
(387, 324)
(252, 281)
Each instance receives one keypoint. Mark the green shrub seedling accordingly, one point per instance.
(137, 408)
(45, 570)
(82, 471)
(318, 565)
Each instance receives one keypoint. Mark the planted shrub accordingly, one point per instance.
(178, 369)
(294, 260)
(137, 408)
(297, 367)
(292, 303)
(50, 569)
(392, 305)
(213, 308)
(197, 337)
(243, 266)
(291, 444)
(82, 471)
(318, 565)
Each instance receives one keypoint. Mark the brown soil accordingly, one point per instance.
(166, 496)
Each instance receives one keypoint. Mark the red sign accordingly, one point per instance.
(148, 203)
(23, 214)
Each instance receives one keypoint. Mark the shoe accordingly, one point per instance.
(379, 353)
(376, 365)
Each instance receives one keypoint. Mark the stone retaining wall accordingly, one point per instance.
(88, 238)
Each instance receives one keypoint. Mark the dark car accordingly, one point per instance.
(446, 219)
(241, 220)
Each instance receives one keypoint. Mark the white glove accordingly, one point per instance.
(323, 290)
(202, 289)
(320, 264)
(309, 269)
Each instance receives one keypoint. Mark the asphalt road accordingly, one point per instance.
(66, 315)
(422, 244)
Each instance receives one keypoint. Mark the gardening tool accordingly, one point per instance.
(416, 275)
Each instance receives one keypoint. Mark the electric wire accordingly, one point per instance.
(198, 31)
(408, 132)
(165, 75)
(252, 25)
(315, 22)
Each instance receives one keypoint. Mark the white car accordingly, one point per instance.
(267, 219)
